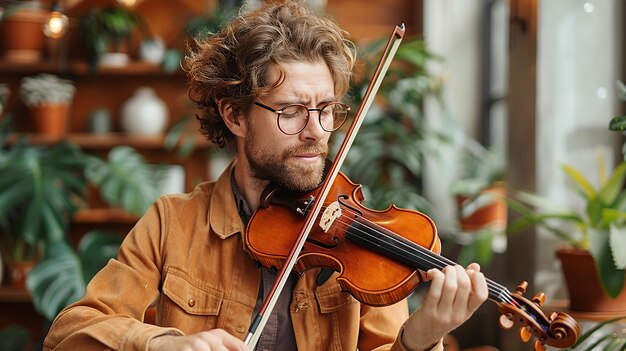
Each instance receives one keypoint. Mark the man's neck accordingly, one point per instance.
(250, 187)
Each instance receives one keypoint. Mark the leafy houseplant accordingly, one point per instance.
(388, 155)
(480, 193)
(41, 187)
(46, 89)
(48, 96)
(107, 34)
(599, 229)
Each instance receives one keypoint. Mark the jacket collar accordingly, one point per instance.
(223, 215)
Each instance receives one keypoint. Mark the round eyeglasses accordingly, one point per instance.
(292, 119)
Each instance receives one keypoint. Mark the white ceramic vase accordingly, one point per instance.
(144, 113)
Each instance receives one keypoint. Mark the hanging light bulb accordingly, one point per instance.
(127, 3)
(57, 22)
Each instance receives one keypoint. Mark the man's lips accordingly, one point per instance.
(308, 156)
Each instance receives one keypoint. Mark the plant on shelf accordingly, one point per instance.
(599, 230)
(480, 194)
(595, 236)
(41, 188)
(21, 36)
(46, 89)
(107, 34)
(48, 97)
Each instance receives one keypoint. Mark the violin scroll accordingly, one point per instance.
(559, 330)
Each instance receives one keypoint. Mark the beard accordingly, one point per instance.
(283, 169)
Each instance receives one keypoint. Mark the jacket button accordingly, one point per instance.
(191, 302)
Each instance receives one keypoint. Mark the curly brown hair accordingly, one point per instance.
(232, 66)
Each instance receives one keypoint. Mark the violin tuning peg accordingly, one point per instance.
(505, 321)
(553, 316)
(539, 299)
(539, 346)
(524, 334)
(521, 288)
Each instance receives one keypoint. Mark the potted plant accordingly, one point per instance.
(594, 258)
(21, 34)
(480, 193)
(41, 187)
(594, 237)
(106, 34)
(48, 97)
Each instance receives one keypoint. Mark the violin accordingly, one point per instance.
(381, 255)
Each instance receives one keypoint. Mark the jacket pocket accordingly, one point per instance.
(332, 299)
(339, 318)
(187, 297)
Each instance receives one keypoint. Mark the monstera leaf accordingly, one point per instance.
(61, 276)
(126, 180)
(39, 188)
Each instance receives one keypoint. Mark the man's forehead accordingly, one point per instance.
(296, 80)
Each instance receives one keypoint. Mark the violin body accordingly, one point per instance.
(381, 256)
(370, 276)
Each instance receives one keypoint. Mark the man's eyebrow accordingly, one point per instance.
(296, 100)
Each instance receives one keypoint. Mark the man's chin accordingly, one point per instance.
(303, 176)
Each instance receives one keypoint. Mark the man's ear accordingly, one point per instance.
(231, 119)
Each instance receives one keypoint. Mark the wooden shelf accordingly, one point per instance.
(107, 141)
(81, 68)
(12, 294)
(563, 306)
(104, 215)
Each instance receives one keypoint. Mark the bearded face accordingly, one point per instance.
(283, 166)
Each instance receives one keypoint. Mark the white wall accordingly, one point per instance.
(579, 60)
(452, 29)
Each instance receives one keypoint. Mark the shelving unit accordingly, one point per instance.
(110, 87)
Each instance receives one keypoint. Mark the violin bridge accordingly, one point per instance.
(332, 212)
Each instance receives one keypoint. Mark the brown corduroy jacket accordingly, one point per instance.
(186, 256)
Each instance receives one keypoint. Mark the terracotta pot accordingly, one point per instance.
(21, 34)
(492, 214)
(51, 120)
(17, 272)
(583, 285)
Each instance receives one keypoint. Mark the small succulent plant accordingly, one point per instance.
(46, 89)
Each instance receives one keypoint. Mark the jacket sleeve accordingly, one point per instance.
(385, 323)
(110, 315)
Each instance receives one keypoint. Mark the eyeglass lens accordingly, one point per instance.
(293, 119)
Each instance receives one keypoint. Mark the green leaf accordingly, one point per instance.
(618, 124)
(171, 60)
(126, 181)
(611, 278)
(614, 185)
(96, 247)
(617, 242)
(581, 181)
(592, 331)
(56, 280)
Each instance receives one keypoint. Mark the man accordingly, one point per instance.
(267, 85)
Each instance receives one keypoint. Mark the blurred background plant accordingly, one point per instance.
(387, 157)
(480, 193)
(41, 188)
(107, 33)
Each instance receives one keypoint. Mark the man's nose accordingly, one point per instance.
(313, 129)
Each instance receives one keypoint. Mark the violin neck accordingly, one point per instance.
(413, 255)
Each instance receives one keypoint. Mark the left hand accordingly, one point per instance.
(454, 294)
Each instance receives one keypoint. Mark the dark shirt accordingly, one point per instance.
(280, 319)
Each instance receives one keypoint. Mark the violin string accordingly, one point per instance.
(424, 255)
